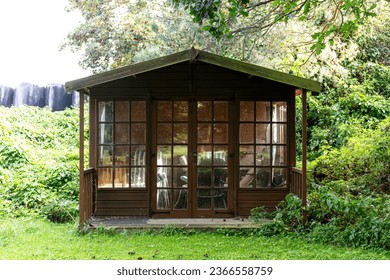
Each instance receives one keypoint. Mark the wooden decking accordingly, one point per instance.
(189, 223)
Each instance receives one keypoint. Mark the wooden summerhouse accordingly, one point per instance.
(191, 134)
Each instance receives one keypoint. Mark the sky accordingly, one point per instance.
(31, 32)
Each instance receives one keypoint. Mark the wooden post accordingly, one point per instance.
(82, 205)
(304, 149)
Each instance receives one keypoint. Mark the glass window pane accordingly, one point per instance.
(263, 111)
(164, 156)
(106, 109)
(279, 177)
(221, 133)
(204, 177)
(105, 177)
(204, 155)
(164, 133)
(279, 133)
(137, 177)
(180, 154)
(246, 133)
(138, 155)
(105, 155)
(221, 111)
(121, 155)
(122, 133)
(180, 110)
(164, 111)
(138, 133)
(180, 177)
(220, 177)
(279, 155)
(247, 157)
(247, 112)
(205, 111)
(247, 177)
(164, 199)
(204, 199)
(121, 178)
(279, 111)
(263, 133)
(180, 198)
(180, 133)
(204, 132)
(122, 111)
(220, 199)
(164, 177)
(263, 155)
(220, 155)
(138, 111)
(105, 133)
(263, 177)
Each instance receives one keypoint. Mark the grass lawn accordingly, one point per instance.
(30, 239)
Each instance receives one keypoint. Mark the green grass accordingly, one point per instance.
(31, 239)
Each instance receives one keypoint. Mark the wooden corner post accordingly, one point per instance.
(304, 150)
(82, 206)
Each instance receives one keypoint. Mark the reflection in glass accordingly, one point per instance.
(106, 111)
(180, 110)
(105, 155)
(164, 133)
(180, 177)
(247, 177)
(220, 155)
(220, 177)
(164, 111)
(220, 133)
(180, 153)
(138, 111)
(180, 133)
(263, 111)
(138, 133)
(105, 133)
(205, 111)
(122, 133)
(247, 111)
(246, 133)
(138, 155)
(221, 110)
(138, 177)
(263, 133)
(122, 111)
(204, 132)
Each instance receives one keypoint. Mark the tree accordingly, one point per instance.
(332, 17)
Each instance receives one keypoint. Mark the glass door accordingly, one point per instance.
(191, 158)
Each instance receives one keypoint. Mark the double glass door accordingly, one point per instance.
(191, 157)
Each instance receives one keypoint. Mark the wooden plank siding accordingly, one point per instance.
(122, 203)
(188, 79)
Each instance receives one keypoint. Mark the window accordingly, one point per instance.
(263, 144)
(121, 144)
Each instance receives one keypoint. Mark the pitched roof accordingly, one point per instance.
(193, 55)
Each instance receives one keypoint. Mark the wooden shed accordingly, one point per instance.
(192, 135)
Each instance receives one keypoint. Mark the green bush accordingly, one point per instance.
(42, 177)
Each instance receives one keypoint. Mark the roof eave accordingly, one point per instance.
(192, 55)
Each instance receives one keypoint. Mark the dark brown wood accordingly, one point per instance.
(82, 206)
(304, 149)
(191, 77)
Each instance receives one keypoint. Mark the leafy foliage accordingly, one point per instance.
(38, 166)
